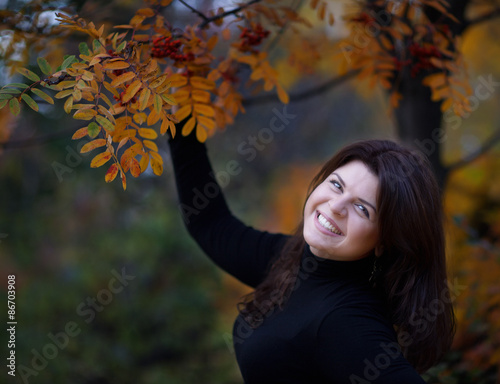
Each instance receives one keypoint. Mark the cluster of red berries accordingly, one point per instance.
(422, 57)
(252, 37)
(168, 47)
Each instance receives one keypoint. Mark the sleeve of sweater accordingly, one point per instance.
(358, 347)
(237, 248)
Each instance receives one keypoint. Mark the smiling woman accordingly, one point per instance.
(343, 299)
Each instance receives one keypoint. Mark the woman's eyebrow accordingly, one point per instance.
(360, 199)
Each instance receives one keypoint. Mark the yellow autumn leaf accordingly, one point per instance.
(435, 80)
(204, 109)
(282, 94)
(183, 112)
(100, 159)
(127, 76)
(93, 145)
(85, 114)
(114, 65)
(144, 162)
(201, 134)
(148, 133)
(158, 81)
(151, 145)
(156, 163)
(131, 91)
(144, 99)
(206, 122)
(200, 96)
(188, 127)
(201, 83)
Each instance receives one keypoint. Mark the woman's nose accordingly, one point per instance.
(338, 206)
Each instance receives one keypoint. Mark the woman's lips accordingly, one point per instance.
(327, 225)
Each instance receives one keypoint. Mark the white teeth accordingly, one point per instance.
(326, 224)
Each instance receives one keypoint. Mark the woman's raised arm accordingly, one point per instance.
(237, 248)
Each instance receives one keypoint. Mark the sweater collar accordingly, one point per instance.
(326, 268)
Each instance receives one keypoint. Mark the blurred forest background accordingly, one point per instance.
(66, 234)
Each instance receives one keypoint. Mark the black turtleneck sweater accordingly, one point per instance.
(333, 328)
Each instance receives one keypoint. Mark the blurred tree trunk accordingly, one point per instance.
(418, 118)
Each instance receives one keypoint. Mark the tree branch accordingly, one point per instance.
(493, 140)
(194, 10)
(38, 140)
(258, 100)
(487, 16)
(208, 20)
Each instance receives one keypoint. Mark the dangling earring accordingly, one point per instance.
(375, 272)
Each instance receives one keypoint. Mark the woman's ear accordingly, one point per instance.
(379, 250)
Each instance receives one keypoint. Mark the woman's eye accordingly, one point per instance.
(336, 184)
(363, 210)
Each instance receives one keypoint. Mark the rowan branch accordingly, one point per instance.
(258, 100)
(208, 20)
(491, 142)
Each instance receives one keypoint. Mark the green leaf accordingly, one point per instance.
(6, 96)
(3, 103)
(108, 125)
(12, 91)
(84, 49)
(27, 73)
(14, 106)
(93, 129)
(68, 61)
(31, 103)
(121, 46)
(96, 45)
(42, 95)
(17, 85)
(44, 65)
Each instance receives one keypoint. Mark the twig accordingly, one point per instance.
(208, 20)
(303, 95)
(194, 10)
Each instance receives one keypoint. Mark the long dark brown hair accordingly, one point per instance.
(412, 278)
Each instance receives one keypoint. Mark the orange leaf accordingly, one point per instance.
(200, 96)
(111, 173)
(116, 65)
(183, 112)
(204, 109)
(206, 122)
(151, 145)
(201, 133)
(131, 91)
(80, 133)
(156, 163)
(93, 145)
(144, 162)
(188, 127)
(201, 83)
(435, 81)
(100, 159)
(148, 133)
(282, 94)
(127, 76)
(124, 181)
(135, 168)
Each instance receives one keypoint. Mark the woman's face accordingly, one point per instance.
(340, 216)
